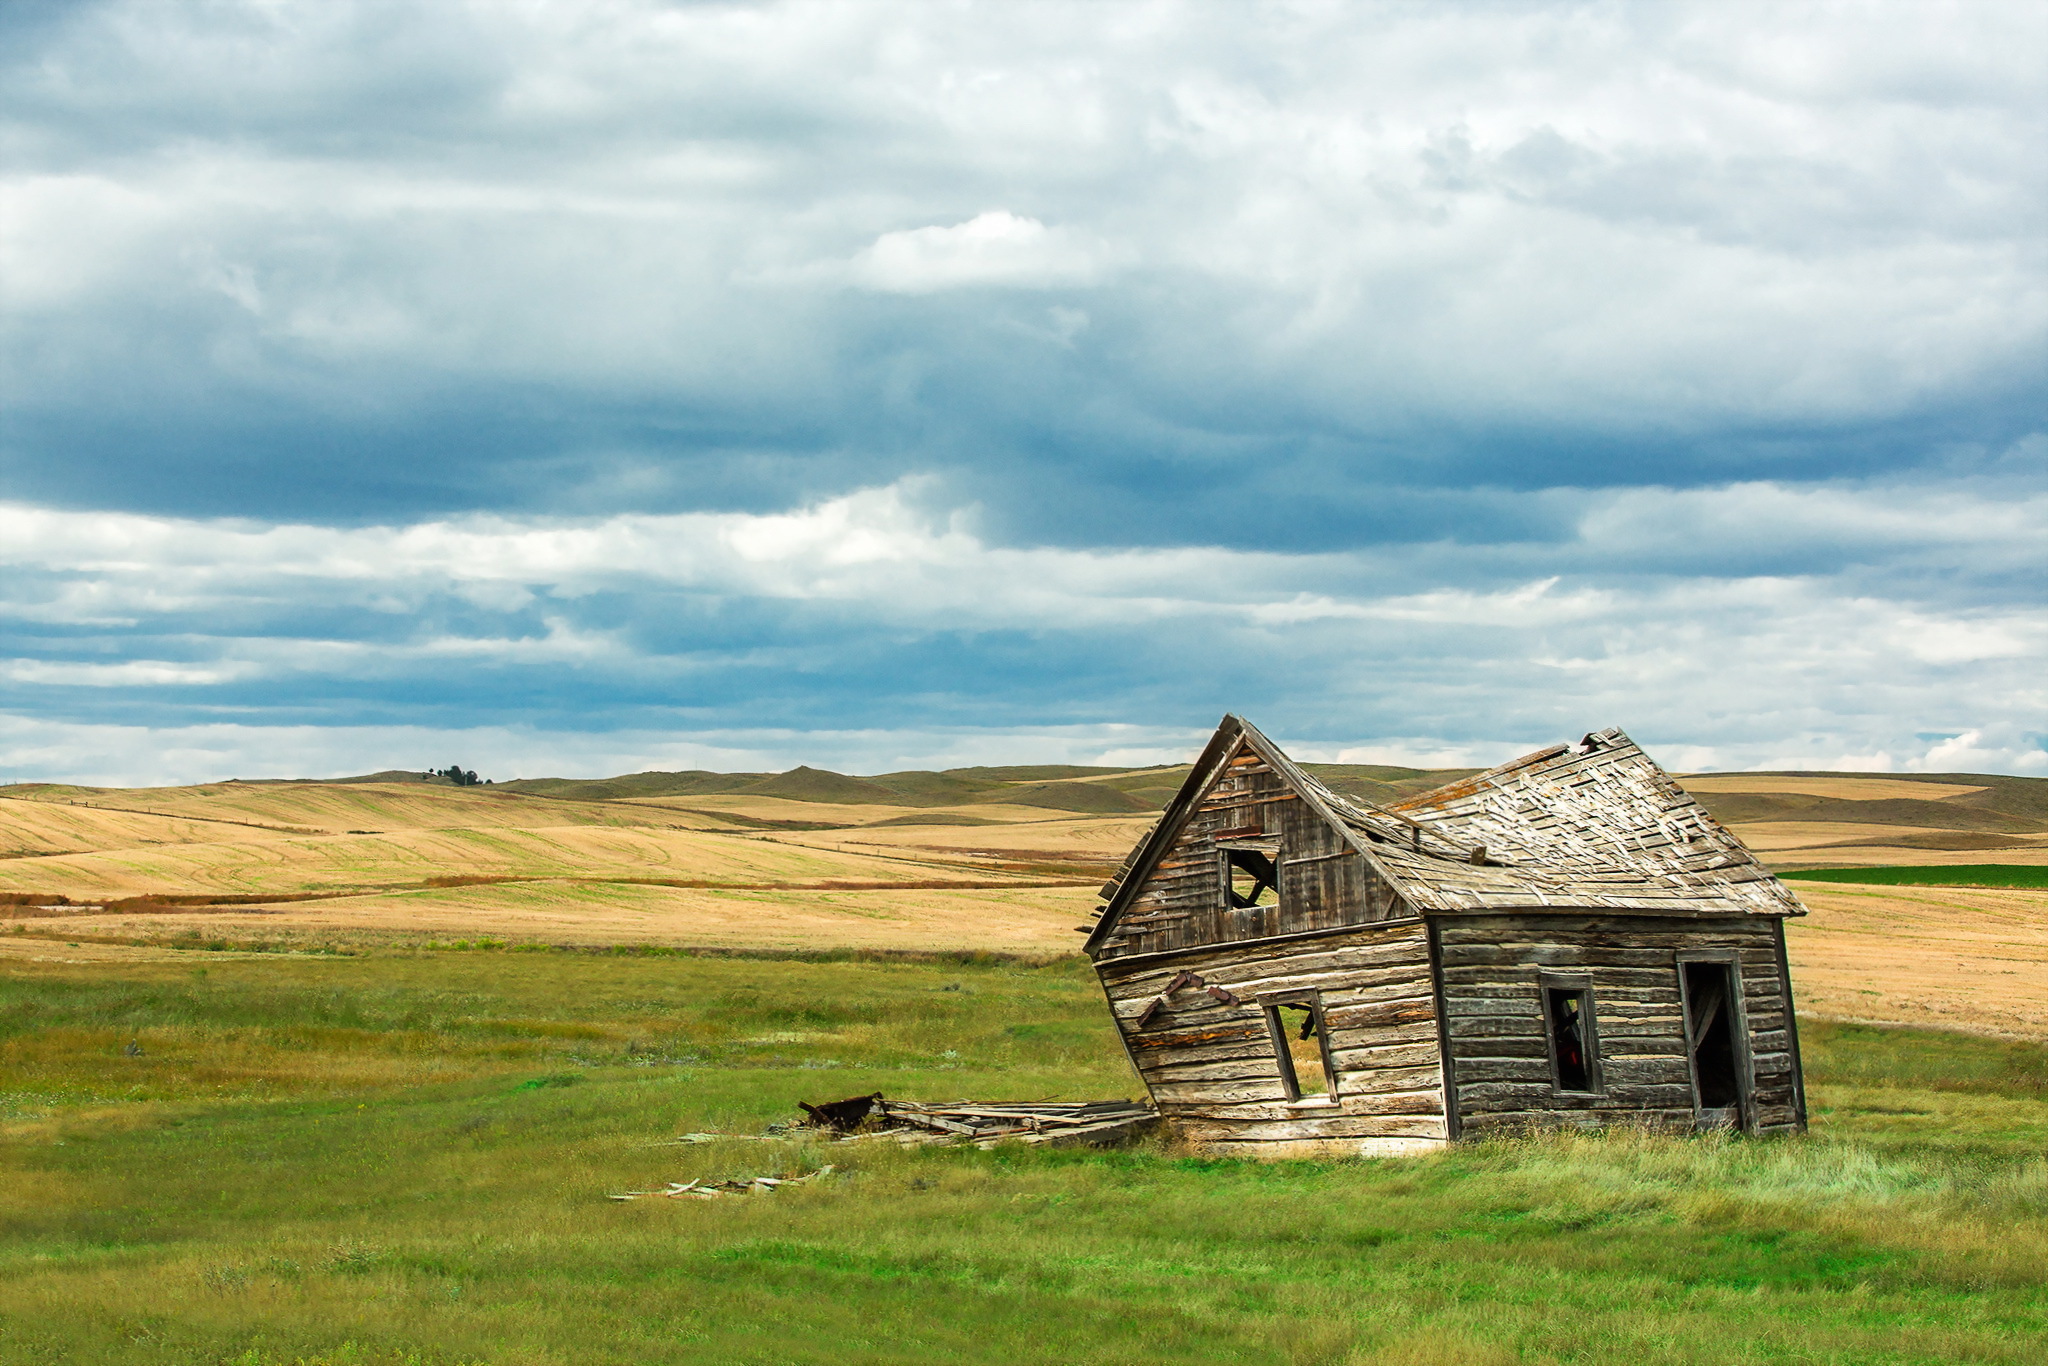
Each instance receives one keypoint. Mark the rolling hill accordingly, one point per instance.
(974, 859)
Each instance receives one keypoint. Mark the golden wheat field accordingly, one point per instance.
(274, 866)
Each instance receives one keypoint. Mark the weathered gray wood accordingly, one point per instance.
(1259, 1129)
(1215, 1062)
(1452, 1000)
(1415, 1053)
(1493, 1021)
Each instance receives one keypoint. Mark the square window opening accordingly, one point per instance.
(1302, 1049)
(1250, 879)
(1569, 1011)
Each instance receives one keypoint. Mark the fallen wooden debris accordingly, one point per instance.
(1099, 1122)
(700, 1189)
(842, 1116)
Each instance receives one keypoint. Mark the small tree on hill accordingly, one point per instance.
(456, 774)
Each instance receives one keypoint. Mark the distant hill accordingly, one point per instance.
(1792, 819)
(389, 775)
(2000, 803)
(2000, 806)
(695, 782)
(1058, 787)
(1959, 810)
(1083, 789)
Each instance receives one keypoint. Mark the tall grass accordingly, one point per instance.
(405, 1159)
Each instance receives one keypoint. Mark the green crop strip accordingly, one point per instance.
(1939, 875)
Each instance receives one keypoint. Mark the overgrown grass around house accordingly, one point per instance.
(392, 1158)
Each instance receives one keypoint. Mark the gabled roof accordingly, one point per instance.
(1592, 826)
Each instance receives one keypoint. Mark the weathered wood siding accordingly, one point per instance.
(1324, 883)
(1211, 1066)
(1493, 1017)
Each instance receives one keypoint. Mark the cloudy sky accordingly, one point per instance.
(577, 388)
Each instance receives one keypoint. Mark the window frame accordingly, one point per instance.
(1579, 984)
(1283, 1056)
(1270, 848)
(1738, 1028)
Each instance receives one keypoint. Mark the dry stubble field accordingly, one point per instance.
(835, 864)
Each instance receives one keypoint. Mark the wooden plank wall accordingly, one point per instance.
(1324, 883)
(1211, 1067)
(1500, 1066)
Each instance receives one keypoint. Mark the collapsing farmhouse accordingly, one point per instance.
(1568, 939)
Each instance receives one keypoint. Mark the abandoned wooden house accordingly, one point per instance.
(1568, 939)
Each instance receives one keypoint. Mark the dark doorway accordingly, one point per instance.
(1715, 1048)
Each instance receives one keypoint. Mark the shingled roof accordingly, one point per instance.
(1596, 825)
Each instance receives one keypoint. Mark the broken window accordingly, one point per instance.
(1574, 1048)
(1249, 879)
(1302, 1047)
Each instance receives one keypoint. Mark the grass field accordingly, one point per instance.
(321, 1073)
(405, 1157)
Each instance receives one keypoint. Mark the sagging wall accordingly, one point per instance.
(1324, 883)
(1501, 1078)
(1212, 1069)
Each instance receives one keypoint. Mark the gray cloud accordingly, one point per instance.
(882, 614)
(911, 377)
(1447, 231)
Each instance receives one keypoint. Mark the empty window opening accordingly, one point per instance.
(1710, 1034)
(1251, 878)
(1570, 1013)
(1298, 1042)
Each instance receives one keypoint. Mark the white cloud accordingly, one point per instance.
(1789, 670)
(806, 245)
(997, 248)
(134, 673)
(1575, 213)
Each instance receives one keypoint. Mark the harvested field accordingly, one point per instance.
(1929, 849)
(1854, 788)
(557, 869)
(337, 808)
(1032, 921)
(283, 864)
(1949, 957)
(1773, 837)
(1096, 839)
(782, 809)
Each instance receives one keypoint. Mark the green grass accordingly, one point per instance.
(394, 1159)
(1939, 875)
